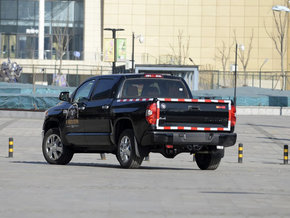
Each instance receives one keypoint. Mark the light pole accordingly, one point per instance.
(260, 73)
(242, 47)
(41, 29)
(141, 40)
(115, 45)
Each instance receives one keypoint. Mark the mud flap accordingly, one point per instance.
(136, 147)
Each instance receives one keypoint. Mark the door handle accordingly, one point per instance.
(193, 108)
(105, 107)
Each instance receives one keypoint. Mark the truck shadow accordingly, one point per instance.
(104, 165)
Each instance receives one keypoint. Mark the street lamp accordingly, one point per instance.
(241, 47)
(141, 40)
(115, 45)
(280, 8)
(260, 74)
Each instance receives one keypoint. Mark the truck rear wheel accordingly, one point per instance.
(53, 149)
(126, 153)
(208, 161)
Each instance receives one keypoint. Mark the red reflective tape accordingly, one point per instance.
(230, 115)
(221, 101)
(207, 101)
(181, 100)
(158, 113)
(134, 99)
(194, 128)
(167, 99)
(194, 100)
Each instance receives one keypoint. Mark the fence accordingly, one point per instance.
(73, 74)
(217, 80)
(76, 74)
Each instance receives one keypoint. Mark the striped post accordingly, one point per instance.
(285, 154)
(10, 151)
(240, 159)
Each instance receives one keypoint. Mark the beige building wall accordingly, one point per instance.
(92, 32)
(207, 23)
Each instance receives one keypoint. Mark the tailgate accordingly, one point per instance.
(193, 114)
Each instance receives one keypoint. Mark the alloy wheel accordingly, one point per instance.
(54, 147)
(125, 149)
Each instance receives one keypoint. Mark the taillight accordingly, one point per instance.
(233, 116)
(151, 113)
(153, 76)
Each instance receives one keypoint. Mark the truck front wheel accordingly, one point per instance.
(126, 153)
(54, 151)
(208, 161)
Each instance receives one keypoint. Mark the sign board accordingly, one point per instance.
(121, 49)
(108, 52)
(233, 67)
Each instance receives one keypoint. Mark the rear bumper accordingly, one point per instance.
(189, 138)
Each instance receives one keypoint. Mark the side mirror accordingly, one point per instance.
(64, 96)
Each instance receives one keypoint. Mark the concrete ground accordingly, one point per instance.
(91, 187)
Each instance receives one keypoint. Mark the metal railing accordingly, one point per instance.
(71, 75)
(218, 79)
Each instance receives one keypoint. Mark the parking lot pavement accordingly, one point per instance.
(91, 187)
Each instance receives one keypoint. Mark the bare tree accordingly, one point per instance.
(223, 56)
(62, 39)
(181, 55)
(279, 38)
(244, 57)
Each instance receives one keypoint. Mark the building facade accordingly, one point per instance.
(186, 32)
(204, 27)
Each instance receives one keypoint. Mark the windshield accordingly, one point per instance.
(154, 88)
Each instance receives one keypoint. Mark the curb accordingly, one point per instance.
(22, 114)
(263, 110)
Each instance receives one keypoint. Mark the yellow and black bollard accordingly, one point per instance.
(10, 151)
(240, 159)
(285, 154)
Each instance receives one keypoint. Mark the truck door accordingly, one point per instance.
(74, 123)
(98, 113)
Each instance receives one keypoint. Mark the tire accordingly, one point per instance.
(54, 151)
(208, 161)
(126, 153)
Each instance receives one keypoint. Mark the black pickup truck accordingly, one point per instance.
(131, 115)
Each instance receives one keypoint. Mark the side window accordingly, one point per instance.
(83, 92)
(103, 88)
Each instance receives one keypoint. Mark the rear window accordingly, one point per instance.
(154, 88)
